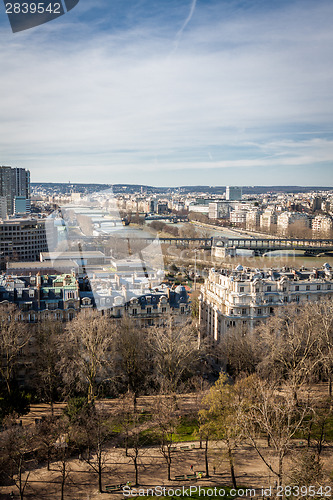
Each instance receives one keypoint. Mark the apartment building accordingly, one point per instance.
(238, 217)
(322, 224)
(244, 297)
(24, 239)
(268, 219)
(287, 219)
(253, 219)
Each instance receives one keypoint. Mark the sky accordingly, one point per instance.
(172, 92)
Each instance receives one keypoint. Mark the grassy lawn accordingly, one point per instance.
(187, 430)
(316, 430)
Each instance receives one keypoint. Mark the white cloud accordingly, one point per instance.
(121, 99)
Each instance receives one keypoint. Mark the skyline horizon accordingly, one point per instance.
(186, 185)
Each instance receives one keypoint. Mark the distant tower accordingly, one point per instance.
(233, 193)
(14, 182)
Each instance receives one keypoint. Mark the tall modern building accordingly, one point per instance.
(14, 182)
(233, 193)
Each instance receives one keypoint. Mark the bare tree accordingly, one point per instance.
(85, 350)
(166, 423)
(323, 311)
(16, 451)
(175, 351)
(291, 345)
(241, 350)
(94, 430)
(14, 337)
(137, 441)
(219, 419)
(132, 357)
(47, 376)
(47, 433)
(266, 409)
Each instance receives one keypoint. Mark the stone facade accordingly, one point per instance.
(244, 297)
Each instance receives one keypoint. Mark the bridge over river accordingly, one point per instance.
(260, 246)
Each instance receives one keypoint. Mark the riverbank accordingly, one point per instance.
(237, 232)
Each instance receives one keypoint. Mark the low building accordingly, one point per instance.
(82, 259)
(41, 297)
(244, 297)
(61, 297)
(31, 268)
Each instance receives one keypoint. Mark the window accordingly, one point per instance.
(231, 312)
(135, 312)
(182, 310)
(285, 299)
(318, 287)
(257, 290)
(269, 288)
(328, 287)
(163, 309)
(307, 287)
(284, 288)
(271, 310)
(148, 310)
(243, 312)
(241, 289)
(259, 312)
(297, 288)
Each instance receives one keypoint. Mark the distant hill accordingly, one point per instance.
(67, 188)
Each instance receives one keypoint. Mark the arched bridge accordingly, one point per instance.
(260, 246)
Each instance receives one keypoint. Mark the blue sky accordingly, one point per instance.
(171, 92)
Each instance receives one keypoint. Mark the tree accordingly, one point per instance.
(242, 351)
(307, 470)
(175, 352)
(85, 350)
(219, 419)
(14, 337)
(16, 449)
(136, 441)
(47, 376)
(166, 423)
(132, 358)
(47, 433)
(265, 409)
(323, 311)
(291, 345)
(94, 430)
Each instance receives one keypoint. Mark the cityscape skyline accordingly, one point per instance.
(202, 93)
